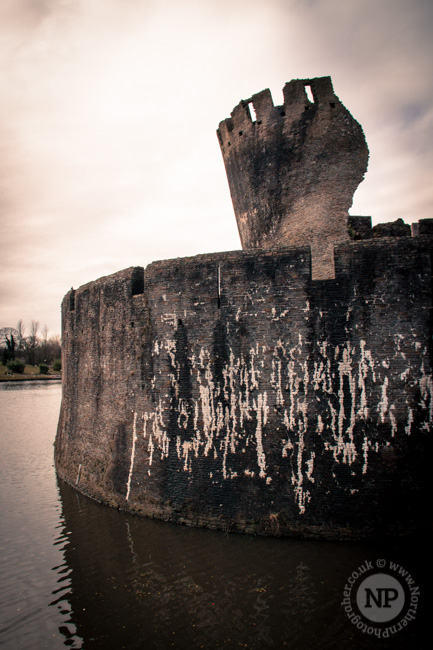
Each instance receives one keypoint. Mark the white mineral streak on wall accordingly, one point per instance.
(310, 467)
(170, 346)
(383, 404)
(222, 421)
(292, 387)
(184, 451)
(302, 495)
(398, 339)
(287, 444)
(276, 380)
(345, 370)
(230, 394)
(255, 374)
(183, 418)
(244, 396)
(262, 410)
(365, 447)
(207, 402)
(295, 418)
(392, 420)
(322, 379)
(364, 364)
(131, 463)
(408, 427)
(341, 428)
(426, 389)
(156, 432)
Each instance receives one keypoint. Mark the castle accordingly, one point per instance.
(285, 389)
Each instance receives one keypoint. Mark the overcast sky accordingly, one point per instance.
(108, 113)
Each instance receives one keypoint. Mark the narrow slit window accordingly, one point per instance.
(253, 113)
(309, 94)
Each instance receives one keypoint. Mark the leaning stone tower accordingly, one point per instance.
(293, 169)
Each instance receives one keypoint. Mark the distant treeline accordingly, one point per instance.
(30, 345)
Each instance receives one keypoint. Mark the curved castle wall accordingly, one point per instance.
(233, 391)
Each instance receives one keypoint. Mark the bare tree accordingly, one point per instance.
(54, 348)
(45, 343)
(33, 341)
(20, 335)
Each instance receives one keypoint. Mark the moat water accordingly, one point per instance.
(78, 574)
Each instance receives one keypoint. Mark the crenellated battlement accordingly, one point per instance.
(293, 169)
(259, 110)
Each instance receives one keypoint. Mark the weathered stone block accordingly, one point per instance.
(396, 228)
(425, 227)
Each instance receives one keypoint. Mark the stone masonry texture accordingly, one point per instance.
(235, 391)
(293, 169)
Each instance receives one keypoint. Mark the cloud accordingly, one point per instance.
(108, 112)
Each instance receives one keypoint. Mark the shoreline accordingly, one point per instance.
(12, 378)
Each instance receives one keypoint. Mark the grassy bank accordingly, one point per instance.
(30, 373)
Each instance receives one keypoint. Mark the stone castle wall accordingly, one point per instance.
(234, 391)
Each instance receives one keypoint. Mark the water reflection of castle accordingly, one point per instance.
(131, 582)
